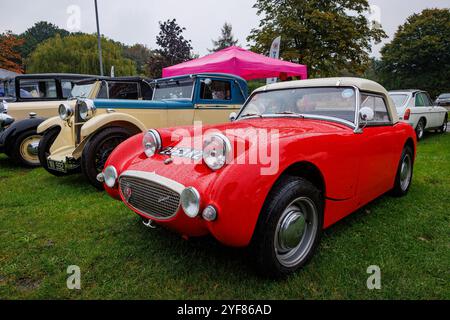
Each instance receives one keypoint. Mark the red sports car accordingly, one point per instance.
(299, 157)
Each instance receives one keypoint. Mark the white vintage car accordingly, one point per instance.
(416, 108)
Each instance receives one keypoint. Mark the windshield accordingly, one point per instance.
(329, 102)
(444, 96)
(399, 99)
(181, 89)
(82, 91)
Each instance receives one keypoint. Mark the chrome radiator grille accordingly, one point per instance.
(149, 198)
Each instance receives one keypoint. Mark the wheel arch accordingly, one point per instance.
(307, 171)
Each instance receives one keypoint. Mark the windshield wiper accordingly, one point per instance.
(291, 113)
(251, 115)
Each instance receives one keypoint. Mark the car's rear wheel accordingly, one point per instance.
(24, 150)
(45, 144)
(405, 173)
(443, 128)
(97, 151)
(289, 228)
(420, 129)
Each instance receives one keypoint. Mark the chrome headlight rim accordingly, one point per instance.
(227, 148)
(110, 176)
(65, 111)
(190, 208)
(3, 106)
(86, 109)
(151, 150)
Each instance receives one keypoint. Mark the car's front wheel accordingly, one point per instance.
(45, 144)
(289, 228)
(97, 151)
(420, 129)
(25, 149)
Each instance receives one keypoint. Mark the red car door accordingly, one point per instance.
(378, 154)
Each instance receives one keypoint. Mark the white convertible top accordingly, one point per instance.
(360, 83)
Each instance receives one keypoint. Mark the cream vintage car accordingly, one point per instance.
(27, 100)
(21, 140)
(84, 136)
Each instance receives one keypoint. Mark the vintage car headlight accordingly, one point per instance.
(151, 143)
(5, 120)
(216, 151)
(3, 107)
(86, 109)
(65, 112)
(190, 202)
(110, 176)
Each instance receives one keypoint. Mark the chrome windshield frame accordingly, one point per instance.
(355, 126)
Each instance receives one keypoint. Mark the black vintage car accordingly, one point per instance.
(38, 97)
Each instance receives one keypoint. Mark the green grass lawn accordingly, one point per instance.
(47, 224)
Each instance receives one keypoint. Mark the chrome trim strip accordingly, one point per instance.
(153, 177)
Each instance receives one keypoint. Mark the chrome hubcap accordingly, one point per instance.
(406, 173)
(29, 149)
(32, 148)
(296, 231)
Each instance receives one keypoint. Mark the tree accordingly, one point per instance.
(10, 58)
(419, 54)
(37, 34)
(173, 48)
(328, 36)
(140, 54)
(79, 54)
(225, 40)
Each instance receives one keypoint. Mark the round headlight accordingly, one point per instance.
(216, 151)
(65, 111)
(86, 109)
(110, 176)
(3, 107)
(190, 202)
(151, 143)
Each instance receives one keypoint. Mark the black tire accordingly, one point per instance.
(420, 129)
(264, 242)
(97, 151)
(400, 189)
(444, 127)
(23, 157)
(46, 143)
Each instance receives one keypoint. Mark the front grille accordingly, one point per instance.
(149, 198)
(78, 124)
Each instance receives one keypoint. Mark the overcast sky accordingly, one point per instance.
(136, 21)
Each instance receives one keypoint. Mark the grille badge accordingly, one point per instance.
(127, 193)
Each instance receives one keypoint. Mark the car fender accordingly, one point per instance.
(50, 123)
(14, 130)
(104, 120)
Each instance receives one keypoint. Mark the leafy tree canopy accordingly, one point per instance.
(419, 55)
(328, 36)
(173, 48)
(225, 40)
(79, 54)
(140, 54)
(37, 34)
(10, 58)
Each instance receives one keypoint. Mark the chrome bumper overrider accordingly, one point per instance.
(152, 195)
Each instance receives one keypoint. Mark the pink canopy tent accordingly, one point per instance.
(241, 62)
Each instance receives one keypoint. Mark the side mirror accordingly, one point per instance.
(233, 116)
(208, 82)
(366, 114)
